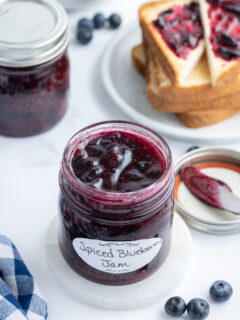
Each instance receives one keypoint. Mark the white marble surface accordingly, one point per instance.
(29, 192)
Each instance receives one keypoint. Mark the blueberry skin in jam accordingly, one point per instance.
(224, 18)
(116, 185)
(181, 28)
(33, 99)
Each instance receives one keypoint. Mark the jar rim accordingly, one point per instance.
(119, 197)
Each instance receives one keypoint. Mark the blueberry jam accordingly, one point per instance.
(181, 28)
(116, 183)
(33, 99)
(224, 18)
(202, 186)
(118, 162)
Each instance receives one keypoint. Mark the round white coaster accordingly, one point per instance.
(153, 289)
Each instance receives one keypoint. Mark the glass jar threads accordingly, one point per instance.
(116, 202)
(34, 66)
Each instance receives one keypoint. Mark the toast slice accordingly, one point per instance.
(160, 104)
(174, 28)
(139, 59)
(205, 118)
(194, 119)
(197, 86)
(222, 32)
(198, 117)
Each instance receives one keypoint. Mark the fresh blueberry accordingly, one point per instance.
(99, 20)
(84, 35)
(175, 307)
(115, 20)
(85, 22)
(192, 148)
(221, 291)
(198, 309)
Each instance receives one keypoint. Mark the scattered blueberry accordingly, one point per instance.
(192, 148)
(198, 309)
(85, 22)
(115, 20)
(221, 291)
(175, 307)
(84, 35)
(99, 20)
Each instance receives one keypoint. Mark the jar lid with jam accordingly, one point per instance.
(220, 164)
(31, 32)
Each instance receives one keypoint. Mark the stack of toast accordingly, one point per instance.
(190, 58)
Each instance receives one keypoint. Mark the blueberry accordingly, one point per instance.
(226, 53)
(115, 20)
(143, 165)
(175, 22)
(192, 148)
(185, 38)
(233, 8)
(198, 309)
(166, 12)
(193, 41)
(85, 22)
(226, 40)
(160, 22)
(133, 175)
(94, 151)
(175, 307)
(84, 35)
(99, 20)
(220, 291)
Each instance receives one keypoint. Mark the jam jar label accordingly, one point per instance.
(117, 257)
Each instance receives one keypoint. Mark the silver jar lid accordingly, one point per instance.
(31, 32)
(196, 213)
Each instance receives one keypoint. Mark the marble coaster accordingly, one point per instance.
(153, 289)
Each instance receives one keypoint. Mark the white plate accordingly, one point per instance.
(127, 89)
(153, 289)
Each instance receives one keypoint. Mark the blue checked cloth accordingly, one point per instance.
(19, 296)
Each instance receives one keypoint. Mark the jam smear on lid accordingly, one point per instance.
(181, 28)
(118, 162)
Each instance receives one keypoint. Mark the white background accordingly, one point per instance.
(29, 191)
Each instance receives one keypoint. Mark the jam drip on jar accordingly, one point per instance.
(202, 186)
(181, 28)
(224, 18)
(118, 162)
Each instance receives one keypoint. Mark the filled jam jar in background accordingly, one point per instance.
(116, 202)
(34, 66)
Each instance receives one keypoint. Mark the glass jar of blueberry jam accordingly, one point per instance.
(34, 66)
(116, 202)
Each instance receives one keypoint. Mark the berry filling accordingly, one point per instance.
(181, 28)
(118, 162)
(224, 18)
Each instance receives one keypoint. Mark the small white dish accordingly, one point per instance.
(127, 88)
(153, 289)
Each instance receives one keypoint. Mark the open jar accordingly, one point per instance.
(116, 202)
(34, 66)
